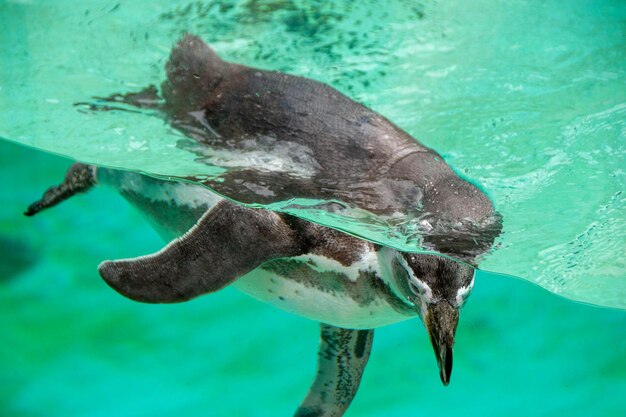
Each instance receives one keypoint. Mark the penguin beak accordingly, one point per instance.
(441, 321)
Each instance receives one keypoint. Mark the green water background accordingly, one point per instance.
(69, 346)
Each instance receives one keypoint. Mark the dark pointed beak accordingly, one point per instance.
(441, 321)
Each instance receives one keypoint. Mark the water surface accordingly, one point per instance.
(527, 100)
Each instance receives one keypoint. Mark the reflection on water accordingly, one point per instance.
(535, 117)
(525, 99)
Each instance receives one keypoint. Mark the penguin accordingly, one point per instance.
(291, 137)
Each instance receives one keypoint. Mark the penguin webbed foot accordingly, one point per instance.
(78, 179)
(342, 357)
(146, 99)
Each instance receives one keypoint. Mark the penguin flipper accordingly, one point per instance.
(342, 357)
(79, 178)
(147, 98)
(228, 241)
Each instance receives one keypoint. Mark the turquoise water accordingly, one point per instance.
(525, 98)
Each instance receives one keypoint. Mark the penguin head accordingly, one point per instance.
(438, 287)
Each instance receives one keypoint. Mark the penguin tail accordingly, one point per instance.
(79, 179)
(193, 71)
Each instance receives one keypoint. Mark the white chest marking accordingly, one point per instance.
(334, 308)
(367, 263)
(462, 294)
(423, 292)
(267, 154)
(172, 192)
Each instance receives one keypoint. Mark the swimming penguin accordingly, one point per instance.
(295, 137)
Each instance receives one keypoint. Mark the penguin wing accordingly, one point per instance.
(342, 356)
(228, 241)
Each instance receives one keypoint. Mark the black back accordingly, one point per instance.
(329, 147)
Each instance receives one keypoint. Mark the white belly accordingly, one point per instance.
(321, 304)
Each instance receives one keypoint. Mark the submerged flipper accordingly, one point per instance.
(148, 98)
(342, 357)
(227, 242)
(79, 179)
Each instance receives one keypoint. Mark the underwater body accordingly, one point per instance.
(608, 212)
(350, 285)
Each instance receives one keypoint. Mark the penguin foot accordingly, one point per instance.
(79, 179)
(342, 356)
